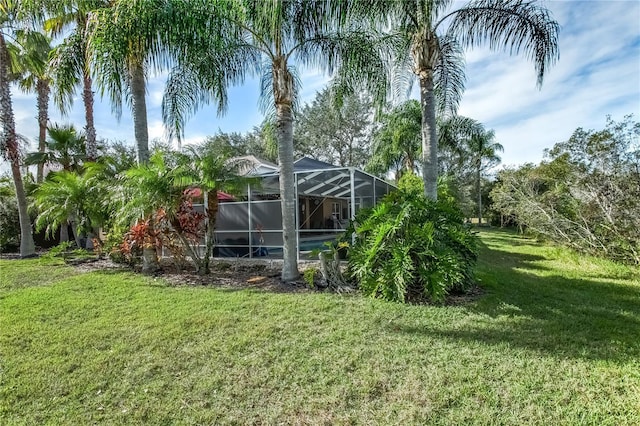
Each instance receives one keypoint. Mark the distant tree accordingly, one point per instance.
(483, 152)
(585, 194)
(335, 131)
(396, 144)
(259, 142)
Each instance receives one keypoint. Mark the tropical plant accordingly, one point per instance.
(66, 147)
(209, 170)
(9, 219)
(429, 39)
(409, 247)
(147, 190)
(228, 40)
(72, 198)
(128, 40)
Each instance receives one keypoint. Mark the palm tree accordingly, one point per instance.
(397, 143)
(70, 65)
(483, 150)
(65, 147)
(268, 39)
(71, 197)
(211, 170)
(149, 187)
(10, 14)
(429, 38)
(31, 66)
(128, 40)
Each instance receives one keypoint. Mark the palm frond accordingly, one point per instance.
(513, 26)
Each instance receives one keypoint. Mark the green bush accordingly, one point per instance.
(9, 219)
(409, 248)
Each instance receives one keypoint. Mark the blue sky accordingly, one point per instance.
(598, 74)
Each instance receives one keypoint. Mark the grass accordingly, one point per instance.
(554, 339)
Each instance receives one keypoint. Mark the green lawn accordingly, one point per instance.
(554, 339)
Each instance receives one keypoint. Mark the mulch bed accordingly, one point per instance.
(238, 274)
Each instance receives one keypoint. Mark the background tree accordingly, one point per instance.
(483, 151)
(585, 194)
(396, 144)
(335, 131)
(429, 38)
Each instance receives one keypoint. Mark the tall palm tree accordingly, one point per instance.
(10, 14)
(268, 40)
(129, 39)
(70, 65)
(483, 150)
(430, 36)
(31, 66)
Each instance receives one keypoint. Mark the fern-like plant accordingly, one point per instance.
(410, 248)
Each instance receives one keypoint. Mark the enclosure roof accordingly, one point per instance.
(252, 165)
(306, 163)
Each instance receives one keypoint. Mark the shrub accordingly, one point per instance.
(409, 248)
(9, 225)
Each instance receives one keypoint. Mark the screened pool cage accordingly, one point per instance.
(250, 224)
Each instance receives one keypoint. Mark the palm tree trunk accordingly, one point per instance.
(10, 142)
(139, 111)
(283, 94)
(150, 262)
(479, 196)
(90, 129)
(76, 234)
(43, 117)
(212, 212)
(429, 137)
(64, 232)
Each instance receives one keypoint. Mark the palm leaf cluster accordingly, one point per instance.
(410, 248)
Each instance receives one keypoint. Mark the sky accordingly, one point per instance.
(598, 74)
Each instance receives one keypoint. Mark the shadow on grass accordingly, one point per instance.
(547, 313)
